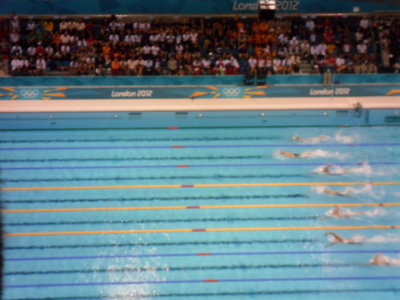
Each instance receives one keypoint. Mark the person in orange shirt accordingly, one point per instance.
(115, 67)
(264, 26)
(106, 49)
(56, 39)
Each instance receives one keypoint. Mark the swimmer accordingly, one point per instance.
(327, 191)
(383, 260)
(336, 213)
(313, 140)
(337, 239)
(330, 169)
(289, 154)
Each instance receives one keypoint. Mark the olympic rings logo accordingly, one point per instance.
(231, 92)
(29, 93)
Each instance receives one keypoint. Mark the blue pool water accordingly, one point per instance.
(148, 222)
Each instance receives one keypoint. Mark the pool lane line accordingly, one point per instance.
(194, 281)
(221, 295)
(211, 185)
(201, 127)
(196, 166)
(182, 230)
(164, 199)
(187, 268)
(8, 211)
(132, 245)
(202, 146)
(203, 254)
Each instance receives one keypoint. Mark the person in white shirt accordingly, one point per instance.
(40, 65)
(314, 50)
(131, 65)
(64, 38)
(16, 65)
(206, 66)
(65, 49)
(148, 66)
(139, 65)
(16, 49)
(146, 49)
(178, 38)
(179, 49)
(129, 38)
(193, 37)
(310, 24)
(155, 50)
(73, 67)
(31, 50)
(364, 24)
(294, 45)
(346, 48)
(362, 48)
(31, 26)
(81, 43)
(277, 65)
(154, 38)
(186, 37)
(14, 37)
(163, 37)
(359, 36)
(321, 49)
(138, 39)
(49, 51)
(196, 66)
(81, 26)
(261, 64)
(252, 64)
(113, 38)
(14, 22)
(340, 64)
(25, 65)
(71, 25)
(63, 25)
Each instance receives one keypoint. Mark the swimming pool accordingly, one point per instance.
(206, 210)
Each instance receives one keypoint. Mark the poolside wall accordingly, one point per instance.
(195, 7)
(195, 87)
(141, 102)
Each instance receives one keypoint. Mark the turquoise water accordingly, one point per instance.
(162, 172)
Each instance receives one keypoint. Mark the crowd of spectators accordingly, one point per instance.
(387, 32)
(198, 46)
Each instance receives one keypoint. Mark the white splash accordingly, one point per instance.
(348, 213)
(384, 238)
(278, 154)
(312, 140)
(356, 239)
(319, 153)
(134, 269)
(350, 191)
(364, 169)
(377, 212)
(365, 190)
(345, 139)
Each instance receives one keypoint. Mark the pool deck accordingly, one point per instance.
(198, 104)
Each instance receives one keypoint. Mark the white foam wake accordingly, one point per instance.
(364, 169)
(366, 190)
(319, 153)
(345, 139)
(312, 140)
(384, 238)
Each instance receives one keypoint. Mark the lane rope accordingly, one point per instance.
(211, 185)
